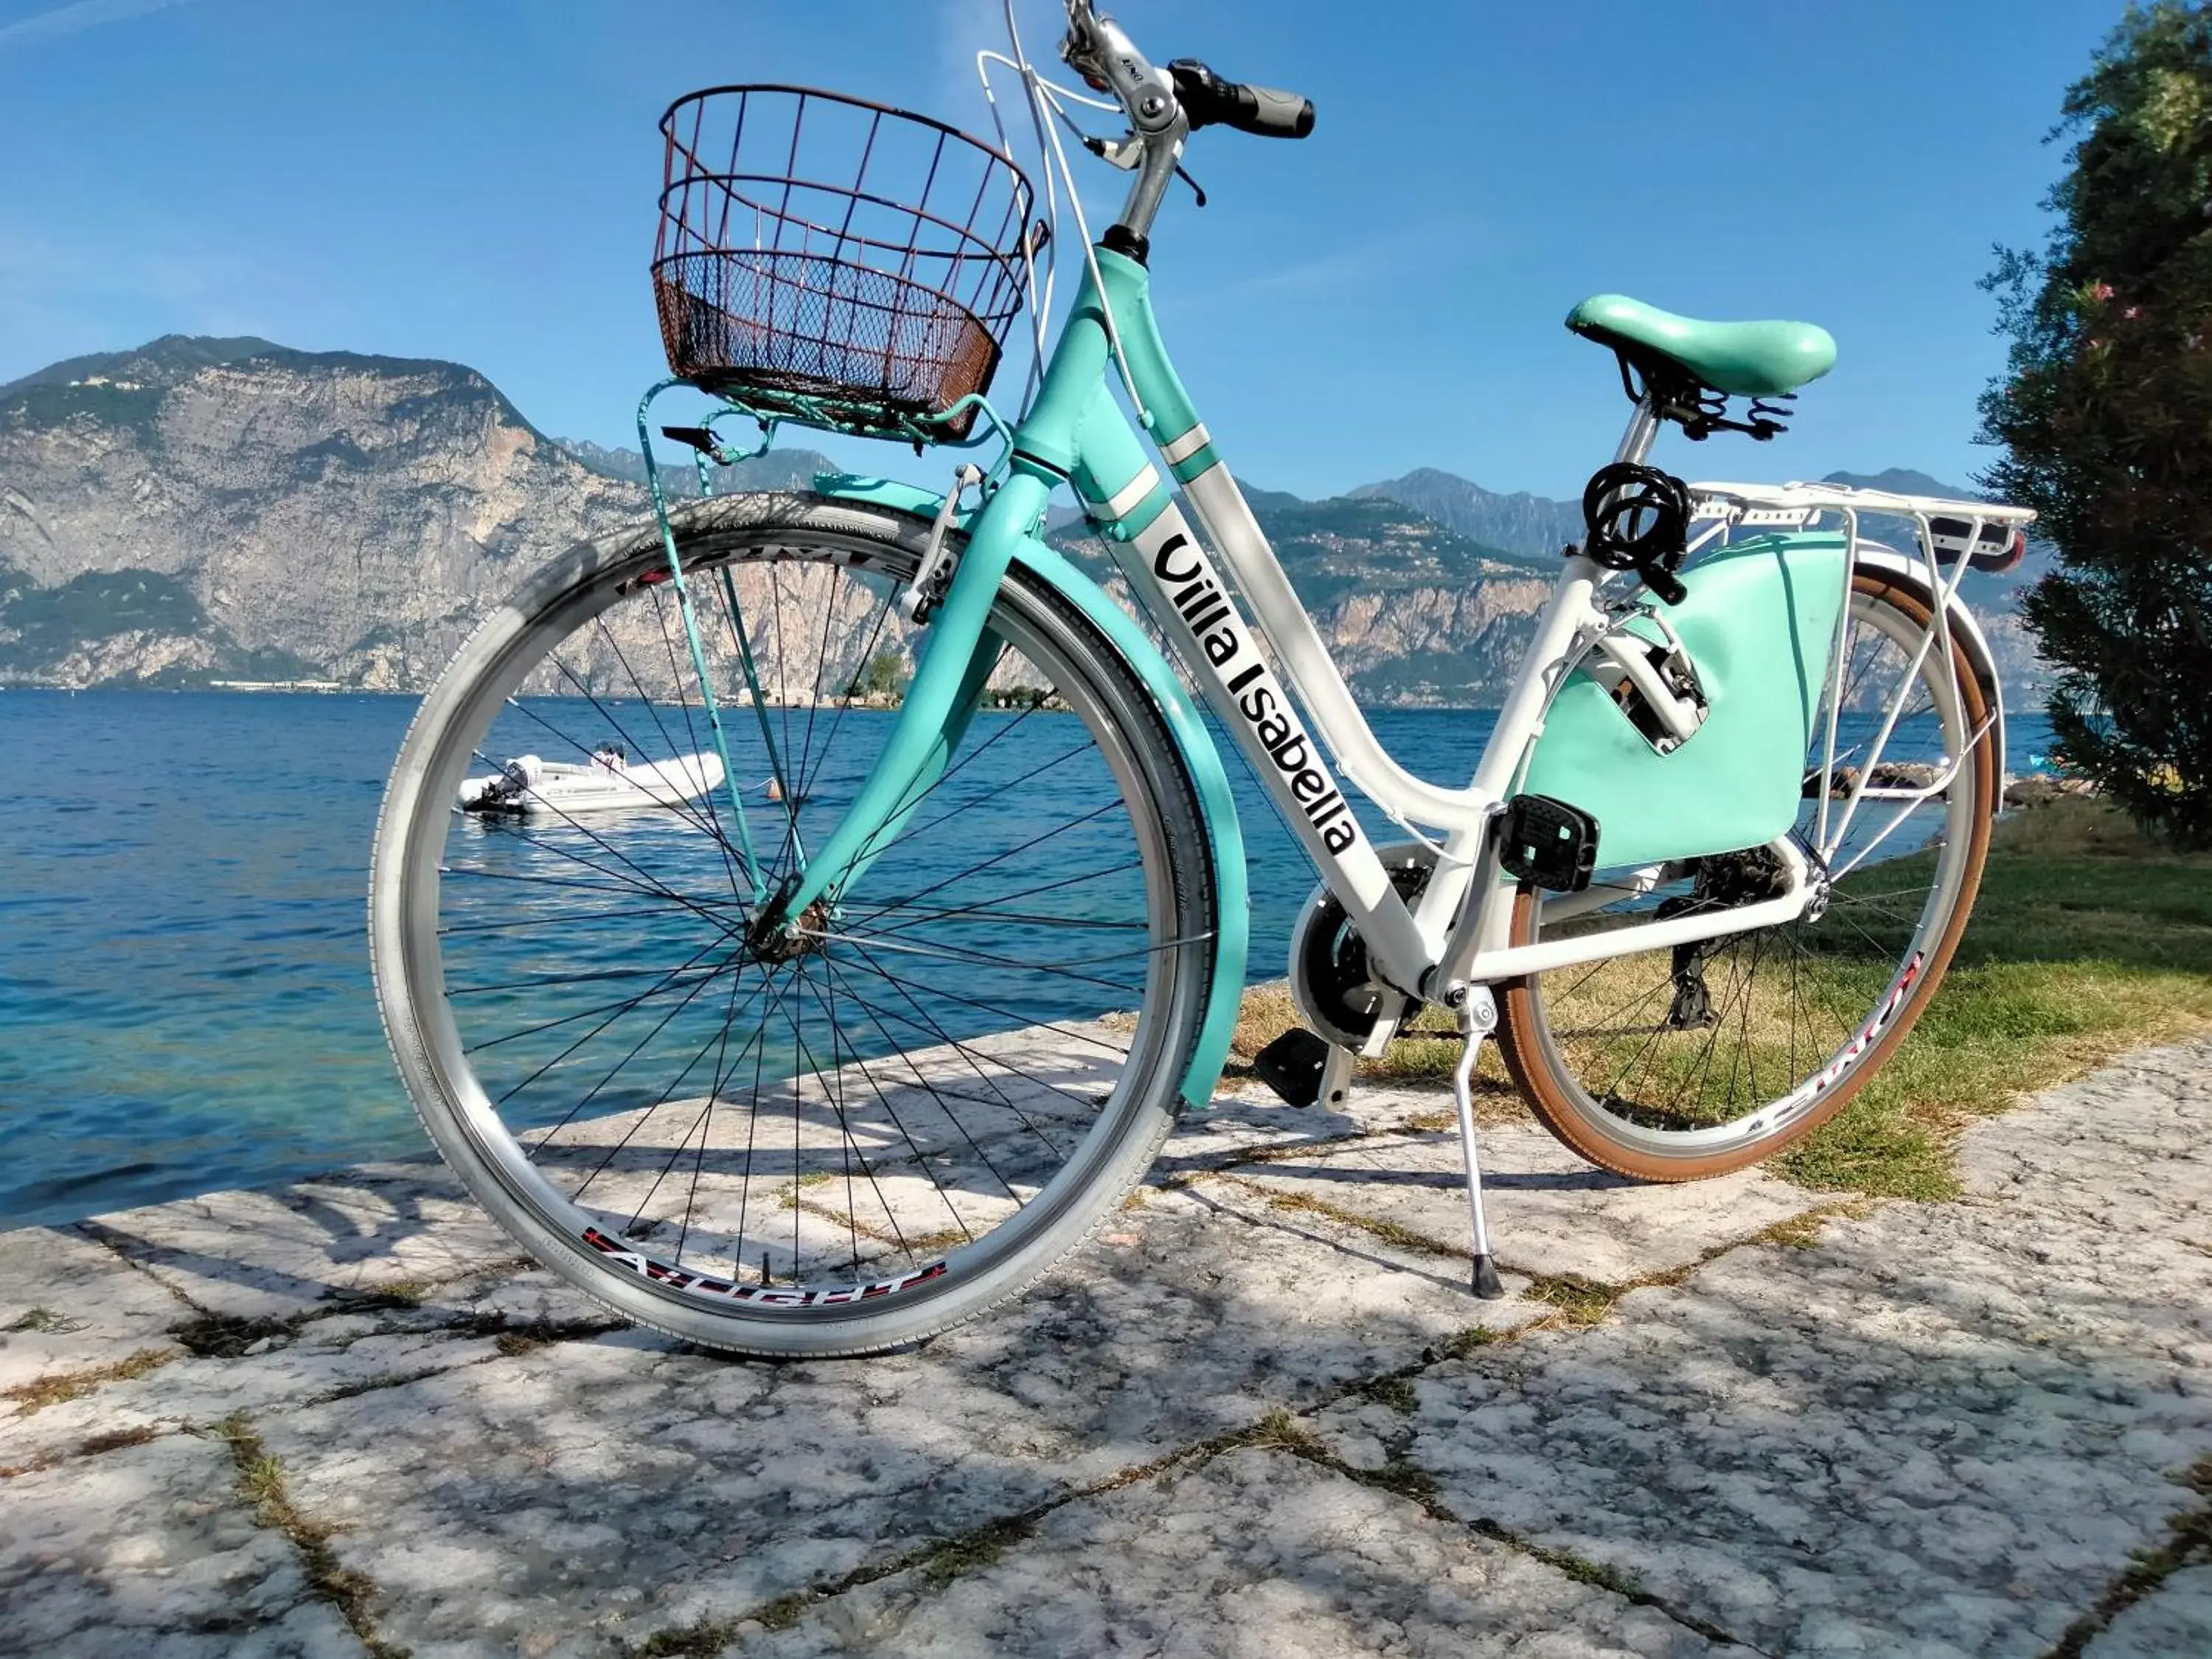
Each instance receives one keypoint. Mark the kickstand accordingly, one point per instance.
(1478, 1019)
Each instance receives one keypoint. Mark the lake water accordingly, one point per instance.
(184, 1000)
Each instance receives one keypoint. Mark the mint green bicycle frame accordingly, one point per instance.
(1077, 431)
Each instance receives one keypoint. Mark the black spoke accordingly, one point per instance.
(988, 905)
(945, 1039)
(809, 775)
(627, 1045)
(999, 858)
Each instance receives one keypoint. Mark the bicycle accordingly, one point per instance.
(835, 1070)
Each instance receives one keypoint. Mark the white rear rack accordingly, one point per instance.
(1985, 534)
(1800, 502)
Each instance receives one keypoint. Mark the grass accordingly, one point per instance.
(2088, 939)
(261, 1482)
(1425, 1051)
(36, 1396)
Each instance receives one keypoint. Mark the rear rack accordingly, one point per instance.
(1988, 535)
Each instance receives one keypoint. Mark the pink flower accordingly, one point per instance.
(2100, 291)
(2132, 312)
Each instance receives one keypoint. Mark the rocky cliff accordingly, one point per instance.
(209, 510)
(269, 514)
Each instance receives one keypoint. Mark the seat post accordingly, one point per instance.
(1642, 431)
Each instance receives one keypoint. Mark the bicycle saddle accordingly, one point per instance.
(1755, 360)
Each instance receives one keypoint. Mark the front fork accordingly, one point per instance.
(955, 666)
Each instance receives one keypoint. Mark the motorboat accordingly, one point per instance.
(609, 781)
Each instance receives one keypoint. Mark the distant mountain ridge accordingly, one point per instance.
(200, 509)
(1530, 525)
(160, 362)
(779, 468)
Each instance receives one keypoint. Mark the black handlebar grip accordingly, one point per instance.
(1209, 101)
(1272, 115)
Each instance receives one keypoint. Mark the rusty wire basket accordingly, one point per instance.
(831, 261)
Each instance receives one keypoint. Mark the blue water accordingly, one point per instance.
(185, 1001)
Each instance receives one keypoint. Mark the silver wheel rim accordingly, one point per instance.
(1769, 1116)
(1038, 1223)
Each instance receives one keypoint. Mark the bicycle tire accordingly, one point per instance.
(1555, 1043)
(498, 1161)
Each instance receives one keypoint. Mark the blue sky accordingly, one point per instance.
(476, 180)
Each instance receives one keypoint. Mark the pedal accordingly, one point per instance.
(1293, 1065)
(1548, 843)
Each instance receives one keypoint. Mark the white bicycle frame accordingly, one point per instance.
(1443, 942)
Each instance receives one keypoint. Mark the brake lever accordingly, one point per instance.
(1124, 152)
(1196, 189)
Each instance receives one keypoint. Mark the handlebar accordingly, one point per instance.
(1103, 52)
(1209, 101)
(1164, 107)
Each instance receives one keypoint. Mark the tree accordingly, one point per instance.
(2105, 414)
(883, 676)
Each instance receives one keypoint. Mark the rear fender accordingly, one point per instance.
(1915, 574)
(1225, 834)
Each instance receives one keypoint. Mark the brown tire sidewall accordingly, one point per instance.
(1555, 1099)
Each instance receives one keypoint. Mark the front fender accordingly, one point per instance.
(1225, 835)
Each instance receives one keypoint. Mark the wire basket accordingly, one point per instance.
(835, 262)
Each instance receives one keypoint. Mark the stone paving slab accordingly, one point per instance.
(1550, 1213)
(628, 1485)
(323, 1359)
(1180, 1565)
(146, 1551)
(289, 1250)
(1938, 1429)
(1944, 1429)
(2174, 1621)
(67, 1303)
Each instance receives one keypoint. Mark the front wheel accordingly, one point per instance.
(1675, 1064)
(832, 1138)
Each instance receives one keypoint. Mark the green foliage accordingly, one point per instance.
(883, 676)
(135, 408)
(2103, 413)
(49, 622)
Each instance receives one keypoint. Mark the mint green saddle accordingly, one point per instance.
(1752, 360)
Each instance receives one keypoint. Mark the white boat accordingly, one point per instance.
(609, 781)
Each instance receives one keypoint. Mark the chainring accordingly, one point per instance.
(1335, 989)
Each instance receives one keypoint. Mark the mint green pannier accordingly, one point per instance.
(1759, 623)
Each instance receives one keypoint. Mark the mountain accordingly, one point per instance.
(211, 509)
(1538, 528)
(1983, 587)
(1531, 525)
(779, 468)
(1993, 597)
(199, 510)
(1415, 614)
(227, 510)
(160, 362)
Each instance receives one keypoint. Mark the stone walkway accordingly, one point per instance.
(1261, 1416)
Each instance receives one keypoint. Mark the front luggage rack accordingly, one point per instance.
(835, 263)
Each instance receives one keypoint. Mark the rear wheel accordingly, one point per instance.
(827, 1141)
(1672, 1065)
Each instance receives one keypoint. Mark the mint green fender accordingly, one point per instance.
(1759, 622)
(1225, 834)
